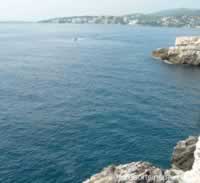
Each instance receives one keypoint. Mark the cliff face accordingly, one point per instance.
(193, 176)
(185, 168)
(183, 155)
(185, 51)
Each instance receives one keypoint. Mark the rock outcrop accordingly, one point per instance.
(139, 172)
(193, 176)
(185, 51)
(185, 168)
(183, 155)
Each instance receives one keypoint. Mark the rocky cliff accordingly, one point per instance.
(185, 168)
(185, 51)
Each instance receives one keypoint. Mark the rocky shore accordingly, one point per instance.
(185, 168)
(185, 51)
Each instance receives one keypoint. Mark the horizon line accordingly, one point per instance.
(93, 15)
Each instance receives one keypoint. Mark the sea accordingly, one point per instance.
(77, 98)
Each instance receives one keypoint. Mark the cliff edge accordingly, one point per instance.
(185, 51)
(185, 168)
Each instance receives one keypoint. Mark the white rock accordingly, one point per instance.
(186, 51)
(143, 172)
(193, 176)
(185, 41)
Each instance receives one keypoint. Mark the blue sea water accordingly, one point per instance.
(69, 108)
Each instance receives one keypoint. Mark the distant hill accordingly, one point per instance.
(168, 18)
(178, 12)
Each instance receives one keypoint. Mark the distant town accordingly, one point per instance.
(167, 18)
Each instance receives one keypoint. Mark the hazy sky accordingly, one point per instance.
(41, 9)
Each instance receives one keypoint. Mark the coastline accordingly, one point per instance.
(185, 151)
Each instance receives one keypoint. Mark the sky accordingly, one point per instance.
(34, 10)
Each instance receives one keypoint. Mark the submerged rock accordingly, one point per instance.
(183, 159)
(185, 51)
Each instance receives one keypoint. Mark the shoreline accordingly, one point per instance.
(185, 164)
